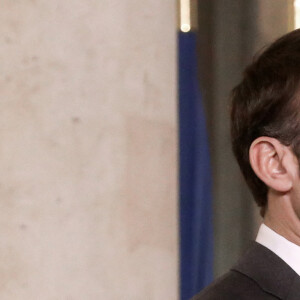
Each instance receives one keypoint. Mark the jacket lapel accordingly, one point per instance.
(270, 272)
(294, 293)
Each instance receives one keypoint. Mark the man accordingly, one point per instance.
(265, 131)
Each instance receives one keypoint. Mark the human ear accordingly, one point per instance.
(273, 163)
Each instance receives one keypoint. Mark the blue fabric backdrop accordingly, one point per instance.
(196, 234)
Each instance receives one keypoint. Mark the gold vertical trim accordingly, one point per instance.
(188, 15)
(296, 14)
(185, 15)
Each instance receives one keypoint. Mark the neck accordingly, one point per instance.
(282, 218)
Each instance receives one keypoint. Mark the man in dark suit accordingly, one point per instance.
(265, 132)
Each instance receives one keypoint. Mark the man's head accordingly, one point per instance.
(265, 118)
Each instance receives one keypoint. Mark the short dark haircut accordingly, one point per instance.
(266, 103)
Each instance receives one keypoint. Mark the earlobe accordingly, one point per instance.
(269, 160)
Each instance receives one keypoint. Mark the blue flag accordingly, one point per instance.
(196, 234)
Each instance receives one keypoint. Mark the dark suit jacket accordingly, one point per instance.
(259, 274)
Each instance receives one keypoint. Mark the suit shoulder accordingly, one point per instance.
(232, 285)
(217, 288)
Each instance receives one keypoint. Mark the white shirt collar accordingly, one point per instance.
(286, 250)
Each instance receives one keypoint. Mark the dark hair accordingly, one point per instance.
(265, 104)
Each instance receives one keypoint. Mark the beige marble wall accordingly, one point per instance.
(88, 206)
